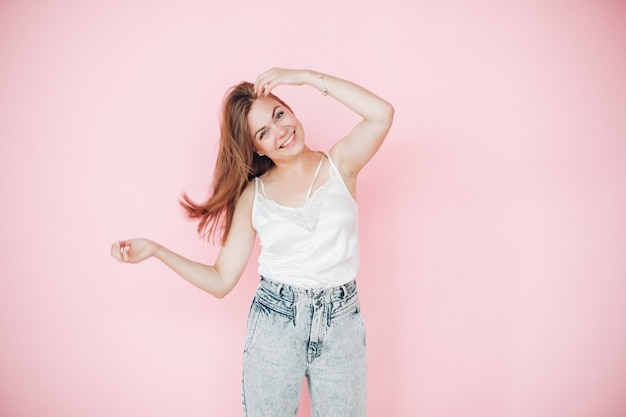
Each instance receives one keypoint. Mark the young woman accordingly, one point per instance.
(305, 318)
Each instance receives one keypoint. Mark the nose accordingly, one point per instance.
(280, 130)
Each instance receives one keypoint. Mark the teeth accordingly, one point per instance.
(288, 141)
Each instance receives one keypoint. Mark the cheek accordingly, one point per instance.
(263, 144)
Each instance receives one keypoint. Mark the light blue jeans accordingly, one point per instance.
(293, 333)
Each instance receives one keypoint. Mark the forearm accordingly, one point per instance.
(360, 100)
(205, 277)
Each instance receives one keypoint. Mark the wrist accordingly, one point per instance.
(317, 80)
(157, 251)
(323, 89)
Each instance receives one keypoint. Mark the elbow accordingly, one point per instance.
(389, 112)
(220, 293)
(385, 114)
(221, 284)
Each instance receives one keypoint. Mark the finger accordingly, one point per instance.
(263, 87)
(124, 249)
(264, 74)
(256, 87)
(115, 250)
(259, 83)
(264, 80)
(267, 88)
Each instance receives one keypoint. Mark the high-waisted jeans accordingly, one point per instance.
(293, 333)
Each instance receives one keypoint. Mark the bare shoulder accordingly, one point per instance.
(247, 197)
(243, 207)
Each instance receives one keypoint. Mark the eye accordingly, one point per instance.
(279, 115)
(264, 133)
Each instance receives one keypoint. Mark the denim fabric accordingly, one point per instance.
(293, 333)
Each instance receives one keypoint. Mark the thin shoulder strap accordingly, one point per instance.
(317, 171)
(258, 180)
(332, 164)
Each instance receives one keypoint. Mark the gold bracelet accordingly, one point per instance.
(323, 91)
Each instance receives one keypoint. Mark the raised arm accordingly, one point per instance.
(218, 279)
(353, 151)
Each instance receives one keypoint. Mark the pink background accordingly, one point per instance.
(493, 229)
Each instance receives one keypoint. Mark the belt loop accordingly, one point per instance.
(279, 289)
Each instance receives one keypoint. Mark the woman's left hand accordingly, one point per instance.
(269, 79)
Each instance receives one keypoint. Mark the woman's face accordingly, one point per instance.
(276, 132)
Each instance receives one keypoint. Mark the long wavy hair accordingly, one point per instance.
(237, 163)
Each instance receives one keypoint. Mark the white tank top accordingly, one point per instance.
(313, 246)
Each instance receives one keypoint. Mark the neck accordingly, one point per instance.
(297, 165)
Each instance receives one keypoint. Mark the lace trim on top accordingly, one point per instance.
(306, 216)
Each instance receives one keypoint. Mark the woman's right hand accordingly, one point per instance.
(133, 250)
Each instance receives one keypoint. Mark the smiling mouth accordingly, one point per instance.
(289, 141)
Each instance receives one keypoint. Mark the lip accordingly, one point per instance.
(290, 141)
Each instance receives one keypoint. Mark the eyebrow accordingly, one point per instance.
(273, 114)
